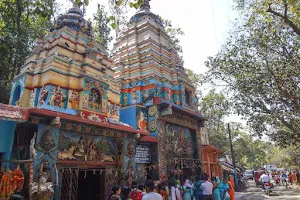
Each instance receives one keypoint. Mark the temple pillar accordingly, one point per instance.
(162, 151)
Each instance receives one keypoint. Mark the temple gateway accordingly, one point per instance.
(81, 120)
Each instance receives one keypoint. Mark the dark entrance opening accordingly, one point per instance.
(90, 185)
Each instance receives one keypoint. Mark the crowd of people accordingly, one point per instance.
(201, 188)
(293, 177)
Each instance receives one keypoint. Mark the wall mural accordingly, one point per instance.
(141, 118)
(73, 146)
(94, 96)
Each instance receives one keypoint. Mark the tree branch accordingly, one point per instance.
(285, 18)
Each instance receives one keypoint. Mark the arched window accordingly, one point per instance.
(95, 99)
(16, 95)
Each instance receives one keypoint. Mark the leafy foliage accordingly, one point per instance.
(21, 23)
(260, 64)
(101, 28)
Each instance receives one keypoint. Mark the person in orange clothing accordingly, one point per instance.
(231, 189)
(294, 178)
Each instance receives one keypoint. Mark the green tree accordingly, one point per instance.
(101, 28)
(260, 65)
(21, 24)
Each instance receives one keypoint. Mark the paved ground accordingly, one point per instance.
(280, 192)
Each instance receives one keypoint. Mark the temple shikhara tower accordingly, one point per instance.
(90, 120)
(155, 88)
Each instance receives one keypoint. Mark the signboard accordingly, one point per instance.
(142, 153)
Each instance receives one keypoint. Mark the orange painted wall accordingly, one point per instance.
(211, 166)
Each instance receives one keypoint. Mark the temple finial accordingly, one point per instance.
(145, 5)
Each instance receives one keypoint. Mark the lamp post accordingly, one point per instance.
(233, 158)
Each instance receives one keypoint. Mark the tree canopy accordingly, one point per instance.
(21, 24)
(260, 64)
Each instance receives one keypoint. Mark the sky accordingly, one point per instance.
(205, 23)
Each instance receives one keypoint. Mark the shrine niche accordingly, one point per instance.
(17, 91)
(94, 96)
(77, 147)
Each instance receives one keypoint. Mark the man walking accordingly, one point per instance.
(207, 188)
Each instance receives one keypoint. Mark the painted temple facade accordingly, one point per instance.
(127, 116)
(155, 88)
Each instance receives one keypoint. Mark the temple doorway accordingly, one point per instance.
(90, 185)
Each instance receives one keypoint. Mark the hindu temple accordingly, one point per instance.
(91, 120)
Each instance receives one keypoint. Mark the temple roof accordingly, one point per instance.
(145, 11)
(74, 20)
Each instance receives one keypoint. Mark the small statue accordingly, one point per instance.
(42, 188)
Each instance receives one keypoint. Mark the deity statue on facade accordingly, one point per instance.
(135, 97)
(42, 187)
(47, 144)
(58, 97)
(95, 99)
(130, 149)
(43, 96)
(74, 100)
(125, 99)
(142, 123)
(92, 150)
(80, 147)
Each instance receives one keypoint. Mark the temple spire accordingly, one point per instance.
(145, 5)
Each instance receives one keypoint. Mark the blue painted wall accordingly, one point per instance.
(128, 116)
(6, 139)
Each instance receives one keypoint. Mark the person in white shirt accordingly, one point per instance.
(151, 195)
(207, 188)
(264, 178)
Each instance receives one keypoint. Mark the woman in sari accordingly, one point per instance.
(216, 191)
(224, 187)
(187, 190)
(231, 188)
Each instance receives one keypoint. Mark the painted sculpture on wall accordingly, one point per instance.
(42, 187)
(179, 141)
(47, 144)
(94, 96)
(95, 99)
(73, 146)
(73, 100)
(142, 123)
(32, 98)
(43, 96)
(57, 97)
(113, 111)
